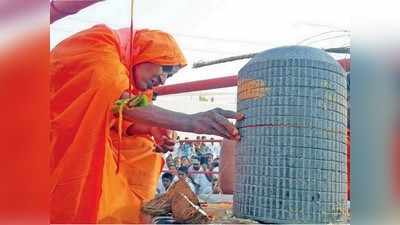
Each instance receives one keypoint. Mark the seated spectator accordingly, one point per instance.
(203, 149)
(209, 159)
(177, 146)
(196, 145)
(194, 157)
(193, 161)
(215, 168)
(177, 162)
(200, 180)
(186, 149)
(216, 187)
(215, 148)
(169, 158)
(183, 173)
(166, 181)
(185, 161)
(206, 166)
(167, 161)
(216, 160)
(172, 169)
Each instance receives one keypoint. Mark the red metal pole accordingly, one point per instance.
(194, 141)
(191, 172)
(221, 82)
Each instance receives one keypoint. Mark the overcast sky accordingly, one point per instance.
(211, 29)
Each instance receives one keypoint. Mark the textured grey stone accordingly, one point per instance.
(294, 169)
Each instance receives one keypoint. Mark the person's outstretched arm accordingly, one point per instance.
(214, 122)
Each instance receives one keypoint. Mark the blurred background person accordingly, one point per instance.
(196, 145)
(200, 180)
(172, 168)
(209, 158)
(215, 169)
(215, 147)
(183, 173)
(177, 146)
(166, 181)
(185, 161)
(177, 162)
(216, 187)
(186, 149)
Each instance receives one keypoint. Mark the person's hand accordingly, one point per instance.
(164, 138)
(216, 122)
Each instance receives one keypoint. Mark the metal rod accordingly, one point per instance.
(192, 141)
(222, 82)
(191, 172)
(223, 60)
(251, 55)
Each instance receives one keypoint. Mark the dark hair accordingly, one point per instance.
(168, 176)
(215, 164)
(184, 169)
(203, 160)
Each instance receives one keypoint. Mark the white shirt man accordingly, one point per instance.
(203, 185)
(215, 148)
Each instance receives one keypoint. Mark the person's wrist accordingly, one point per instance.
(188, 122)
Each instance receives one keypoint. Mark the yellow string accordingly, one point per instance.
(120, 109)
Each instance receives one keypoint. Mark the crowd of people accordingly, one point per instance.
(195, 161)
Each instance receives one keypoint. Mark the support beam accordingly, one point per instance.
(221, 82)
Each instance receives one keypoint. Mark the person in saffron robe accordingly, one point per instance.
(102, 172)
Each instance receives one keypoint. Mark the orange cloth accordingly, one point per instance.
(150, 46)
(88, 73)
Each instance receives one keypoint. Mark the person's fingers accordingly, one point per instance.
(168, 148)
(229, 114)
(237, 138)
(220, 131)
(159, 149)
(241, 116)
(232, 130)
